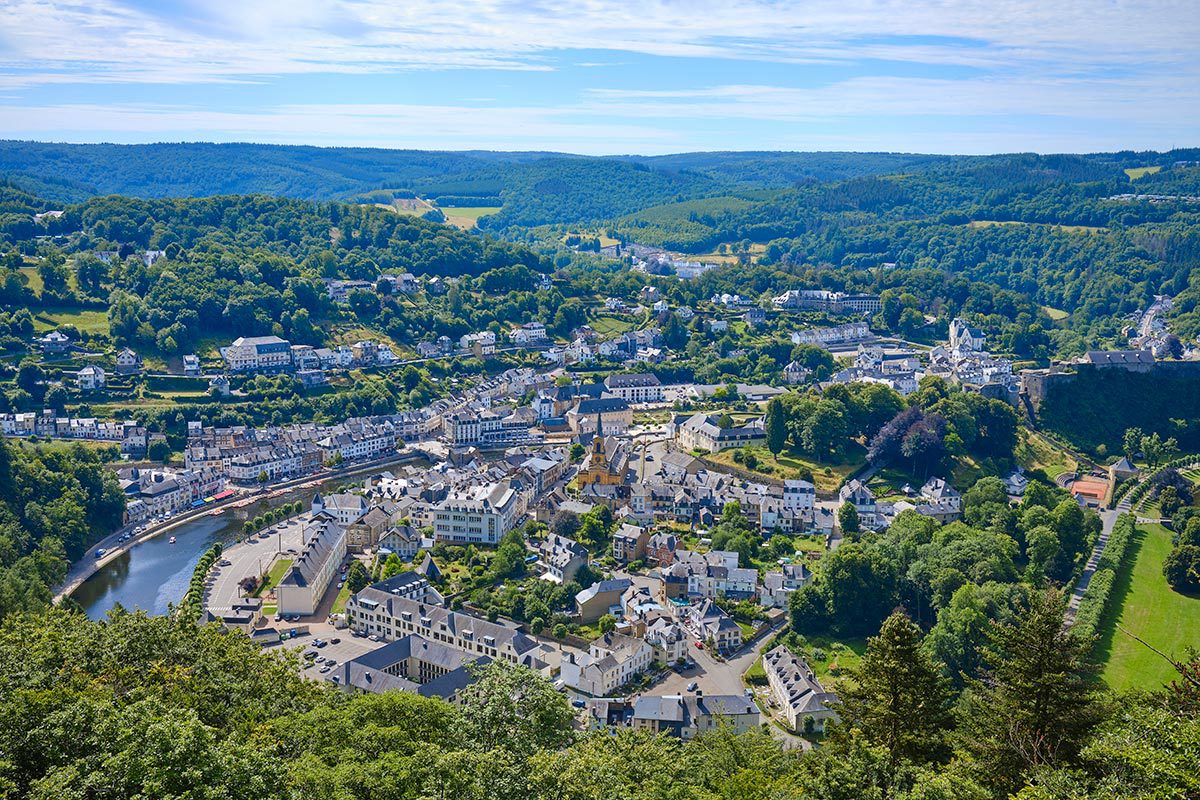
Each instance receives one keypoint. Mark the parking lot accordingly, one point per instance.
(340, 647)
(252, 556)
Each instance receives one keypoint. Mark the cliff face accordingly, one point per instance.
(1095, 404)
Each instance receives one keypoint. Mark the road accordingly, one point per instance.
(1108, 518)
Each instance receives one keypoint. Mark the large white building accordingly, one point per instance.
(91, 378)
(839, 334)
(481, 516)
(643, 387)
(702, 432)
(304, 584)
(400, 607)
(797, 692)
(257, 353)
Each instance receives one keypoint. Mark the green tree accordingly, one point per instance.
(507, 707)
(848, 520)
(357, 577)
(776, 426)
(1037, 704)
(607, 623)
(898, 697)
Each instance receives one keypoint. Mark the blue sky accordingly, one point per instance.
(591, 76)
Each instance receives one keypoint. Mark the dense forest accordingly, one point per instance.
(53, 504)
(154, 707)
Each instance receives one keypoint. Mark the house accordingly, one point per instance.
(668, 639)
(191, 365)
(754, 317)
(1015, 483)
(779, 584)
(717, 325)
(304, 584)
(402, 540)
(703, 432)
(562, 558)
(258, 354)
(600, 598)
(219, 385)
(661, 547)
(363, 534)
(839, 334)
(630, 542)
(91, 378)
(128, 362)
(345, 508)
(585, 417)
(54, 342)
(941, 501)
(687, 716)
(612, 661)
(795, 372)
(711, 624)
(529, 334)
(804, 704)
(857, 494)
(642, 387)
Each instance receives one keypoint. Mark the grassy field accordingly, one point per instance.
(1136, 172)
(1056, 314)
(607, 325)
(33, 278)
(1149, 608)
(343, 597)
(86, 320)
(789, 463)
(465, 217)
(274, 575)
(1035, 451)
(987, 223)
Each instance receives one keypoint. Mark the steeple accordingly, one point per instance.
(598, 439)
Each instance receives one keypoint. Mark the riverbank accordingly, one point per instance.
(88, 565)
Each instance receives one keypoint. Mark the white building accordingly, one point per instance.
(857, 494)
(797, 692)
(529, 333)
(839, 334)
(90, 378)
(643, 387)
(257, 353)
(479, 517)
(304, 584)
(610, 663)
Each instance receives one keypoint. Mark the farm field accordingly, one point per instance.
(86, 320)
(465, 217)
(1149, 608)
(1136, 172)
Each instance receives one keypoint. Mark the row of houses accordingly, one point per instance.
(132, 437)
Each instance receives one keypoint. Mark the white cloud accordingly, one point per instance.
(219, 39)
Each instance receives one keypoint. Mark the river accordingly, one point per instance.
(155, 573)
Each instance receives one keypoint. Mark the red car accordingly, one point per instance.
(700, 645)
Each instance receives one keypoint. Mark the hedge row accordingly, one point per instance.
(1140, 490)
(192, 603)
(1097, 597)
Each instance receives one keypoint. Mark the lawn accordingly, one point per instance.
(1150, 609)
(274, 575)
(1136, 172)
(465, 217)
(607, 325)
(828, 477)
(86, 320)
(33, 277)
(343, 597)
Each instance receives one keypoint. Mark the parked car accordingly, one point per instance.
(100, 553)
(279, 617)
(693, 686)
(699, 645)
(335, 640)
(325, 669)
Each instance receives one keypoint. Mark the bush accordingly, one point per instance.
(1097, 597)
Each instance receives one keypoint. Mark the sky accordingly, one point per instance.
(600, 77)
